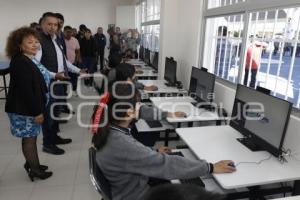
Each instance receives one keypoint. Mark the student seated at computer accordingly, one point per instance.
(127, 70)
(129, 165)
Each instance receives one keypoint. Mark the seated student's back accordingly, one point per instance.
(127, 164)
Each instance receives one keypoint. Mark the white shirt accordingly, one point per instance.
(60, 57)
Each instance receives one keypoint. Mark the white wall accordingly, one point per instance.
(93, 13)
(168, 32)
(180, 32)
(125, 17)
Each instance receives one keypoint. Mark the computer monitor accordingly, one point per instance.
(205, 86)
(147, 56)
(141, 52)
(154, 63)
(263, 90)
(261, 118)
(193, 80)
(170, 71)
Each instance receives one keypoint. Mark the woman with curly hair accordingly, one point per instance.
(27, 96)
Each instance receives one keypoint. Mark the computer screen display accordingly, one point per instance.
(170, 71)
(261, 117)
(205, 86)
(147, 56)
(193, 81)
(154, 62)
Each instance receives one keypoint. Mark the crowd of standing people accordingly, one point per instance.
(42, 56)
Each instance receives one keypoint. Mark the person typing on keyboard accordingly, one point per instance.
(128, 165)
(126, 72)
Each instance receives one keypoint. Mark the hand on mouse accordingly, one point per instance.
(164, 150)
(224, 166)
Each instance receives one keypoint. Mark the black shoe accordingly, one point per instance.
(62, 121)
(53, 149)
(60, 140)
(41, 167)
(68, 111)
(39, 174)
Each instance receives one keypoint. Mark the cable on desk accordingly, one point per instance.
(257, 163)
(289, 153)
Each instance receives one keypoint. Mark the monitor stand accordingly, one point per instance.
(250, 144)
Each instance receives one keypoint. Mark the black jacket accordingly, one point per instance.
(87, 47)
(100, 41)
(49, 56)
(27, 88)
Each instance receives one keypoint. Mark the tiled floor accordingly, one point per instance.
(70, 180)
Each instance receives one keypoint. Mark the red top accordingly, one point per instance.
(99, 112)
(252, 61)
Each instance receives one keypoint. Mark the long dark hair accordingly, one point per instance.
(123, 98)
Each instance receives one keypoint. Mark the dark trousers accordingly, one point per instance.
(101, 56)
(73, 80)
(253, 77)
(90, 64)
(74, 77)
(50, 126)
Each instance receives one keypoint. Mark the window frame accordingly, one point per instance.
(153, 22)
(244, 8)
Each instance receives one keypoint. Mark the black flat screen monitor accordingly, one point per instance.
(205, 86)
(147, 56)
(154, 63)
(261, 118)
(170, 71)
(193, 81)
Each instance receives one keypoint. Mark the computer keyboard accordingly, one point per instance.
(154, 124)
(192, 181)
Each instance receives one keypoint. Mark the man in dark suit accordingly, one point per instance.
(51, 55)
(100, 41)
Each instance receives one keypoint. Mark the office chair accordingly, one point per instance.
(97, 177)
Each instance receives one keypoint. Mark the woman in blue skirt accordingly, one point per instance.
(27, 96)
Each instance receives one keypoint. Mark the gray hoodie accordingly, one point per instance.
(128, 164)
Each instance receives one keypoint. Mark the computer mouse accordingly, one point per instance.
(231, 164)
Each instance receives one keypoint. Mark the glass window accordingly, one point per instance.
(150, 14)
(222, 3)
(150, 37)
(223, 42)
(273, 53)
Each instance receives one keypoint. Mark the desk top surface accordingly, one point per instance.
(147, 73)
(215, 143)
(162, 88)
(183, 104)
